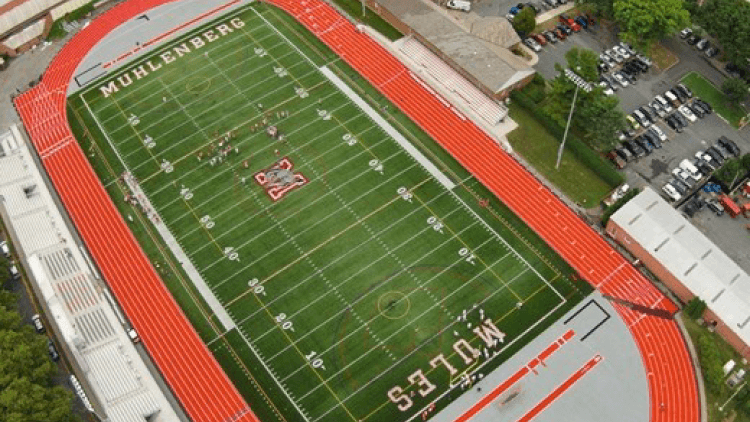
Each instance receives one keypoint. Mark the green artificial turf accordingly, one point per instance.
(346, 285)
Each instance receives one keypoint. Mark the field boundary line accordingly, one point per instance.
(389, 129)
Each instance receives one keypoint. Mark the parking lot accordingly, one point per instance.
(655, 169)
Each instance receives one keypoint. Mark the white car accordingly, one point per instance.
(656, 130)
(531, 43)
(624, 53)
(685, 111)
(671, 192)
(607, 89)
(707, 159)
(620, 80)
(691, 169)
(683, 176)
(615, 55)
(627, 47)
(459, 5)
(664, 103)
(606, 59)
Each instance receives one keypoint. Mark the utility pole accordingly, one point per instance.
(567, 126)
(364, 8)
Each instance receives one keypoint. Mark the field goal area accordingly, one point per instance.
(334, 271)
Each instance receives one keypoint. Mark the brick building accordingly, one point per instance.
(687, 262)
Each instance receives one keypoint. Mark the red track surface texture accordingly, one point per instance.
(199, 383)
(187, 365)
(670, 373)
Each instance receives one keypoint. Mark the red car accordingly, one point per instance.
(540, 39)
(566, 20)
(575, 27)
(560, 35)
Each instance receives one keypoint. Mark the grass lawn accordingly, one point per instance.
(343, 286)
(354, 9)
(708, 92)
(663, 58)
(712, 400)
(539, 148)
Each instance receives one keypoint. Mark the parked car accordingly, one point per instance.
(729, 145)
(684, 177)
(627, 47)
(615, 55)
(691, 169)
(703, 166)
(52, 351)
(702, 44)
(531, 43)
(551, 3)
(664, 103)
(679, 186)
(644, 59)
(680, 118)
(687, 113)
(686, 33)
(621, 51)
(723, 152)
(693, 39)
(673, 123)
(671, 192)
(715, 154)
(696, 109)
(656, 130)
(564, 28)
(679, 94)
(641, 118)
(624, 153)
(616, 159)
(644, 143)
(657, 108)
(581, 20)
(706, 107)
(560, 34)
(606, 89)
(693, 207)
(5, 249)
(712, 52)
(462, 5)
(672, 98)
(653, 139)
(648, 112)
(539, 38)
(565, 19)
(38, 325)
(707, 161)
(620, 79)
(635, 148)
(550, 36)
(633, 123)
(685, 90)
(715, 206)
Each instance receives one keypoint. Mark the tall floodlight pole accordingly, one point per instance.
(567, 126)
(364, 8)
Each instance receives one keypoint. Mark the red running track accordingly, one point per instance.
(188, 367)
(191, 371)
(671, 377)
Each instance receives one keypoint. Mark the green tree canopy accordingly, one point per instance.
(729, 22)
(597, 117)
(26, 390)
(525, 21)
(735, 88)
(584, 62)
(646, 21)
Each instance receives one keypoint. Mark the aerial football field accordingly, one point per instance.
(362, 286)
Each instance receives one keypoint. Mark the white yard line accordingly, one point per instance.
(389, 129)
(179, 253)
(104, 132)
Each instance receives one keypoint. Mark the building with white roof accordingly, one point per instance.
(116, 383)
(686, 261)
(24, 23)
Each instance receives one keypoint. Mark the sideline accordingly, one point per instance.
(389, 129)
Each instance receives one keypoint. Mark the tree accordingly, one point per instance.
(646, 21)
(597, 117)
(735, 88)
(525, 21)
(584, 62)
(729, 22)
(604, 7)
(26, 391)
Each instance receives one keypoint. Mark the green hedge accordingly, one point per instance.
(583, 152)
(617, 205)
(694, 309)
(711, 363)
(354, 9)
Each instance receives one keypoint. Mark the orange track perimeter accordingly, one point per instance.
(188, 367)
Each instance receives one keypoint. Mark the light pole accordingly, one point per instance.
(364, 8)
(567, 126)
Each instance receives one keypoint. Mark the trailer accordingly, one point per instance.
(729, 205)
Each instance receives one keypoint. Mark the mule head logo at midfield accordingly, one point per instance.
(279, 179)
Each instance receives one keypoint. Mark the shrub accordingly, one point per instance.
(603, 168)
(710, 359)
(694, 309)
